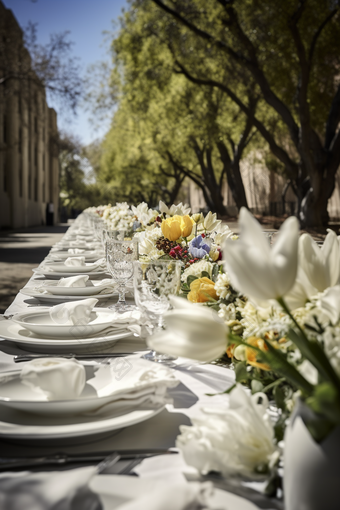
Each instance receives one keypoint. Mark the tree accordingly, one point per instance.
(50, 67)
(194, 132)
(290, 52)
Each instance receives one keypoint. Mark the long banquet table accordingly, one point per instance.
(196, 382)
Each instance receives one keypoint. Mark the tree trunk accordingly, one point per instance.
(314, 211)
(234, 178)
(208, 176)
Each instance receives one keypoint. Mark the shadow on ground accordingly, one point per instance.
(21, 251)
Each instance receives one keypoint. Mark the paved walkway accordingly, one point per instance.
(21, 251)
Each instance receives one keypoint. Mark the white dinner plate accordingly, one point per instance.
(89, 256)
(55, 275)
(17, 395)
(55, 299)
(28, 427)
(115, 490)
(59, 267)
(41, 323)
(9, 330)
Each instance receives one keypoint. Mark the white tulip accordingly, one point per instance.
(193, 331)
(330, 303)
(301, 292)
(211, 222)
(232, 440)
(256, 269)
(321, 265)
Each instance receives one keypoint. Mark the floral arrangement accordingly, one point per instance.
(279, 325)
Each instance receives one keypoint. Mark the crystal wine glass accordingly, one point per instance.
(154, 282)
(120, 256)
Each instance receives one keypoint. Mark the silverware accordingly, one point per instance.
(28, 357)
(61, 459)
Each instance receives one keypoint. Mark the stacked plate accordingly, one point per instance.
(106, 403)
(35, 331)
(50, 293)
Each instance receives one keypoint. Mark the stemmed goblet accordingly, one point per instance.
(153, 283)
(120, 256)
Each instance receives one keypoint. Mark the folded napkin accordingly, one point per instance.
(73, 281)
(75, 261)
(78, 244)
(131, 377)
(52, 490)
(55, 378)
(75, 251)
(75, 312)
(106, 286)
(171, 496)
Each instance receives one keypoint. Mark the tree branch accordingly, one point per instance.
(333, 119)
(281, 154)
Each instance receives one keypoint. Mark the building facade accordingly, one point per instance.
(29, 168)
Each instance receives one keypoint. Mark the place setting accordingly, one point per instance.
(56, 398)
(70, 288)
(71, 266)
(68, 327)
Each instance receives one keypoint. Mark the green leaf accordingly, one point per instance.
(256, 386)
(241, 372)
(279, 397)
(205, 274)
(313, 351)
(190, 279)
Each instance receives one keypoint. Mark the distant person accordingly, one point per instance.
(50, 214)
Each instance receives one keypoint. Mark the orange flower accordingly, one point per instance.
(202, 290)
(252, 354)
(230, 350)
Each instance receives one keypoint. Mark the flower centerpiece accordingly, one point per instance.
(286, 346)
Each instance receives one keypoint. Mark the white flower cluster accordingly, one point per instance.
(197, 268)
(222, 285)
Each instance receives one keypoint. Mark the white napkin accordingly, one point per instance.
(75, 261)
(53, 490)
(75, 251)
(108, 285)
(101, 263)
(172, 496)
(132, 376)
(73, 281)
(78, 244)
(55, 378)
(75, 312)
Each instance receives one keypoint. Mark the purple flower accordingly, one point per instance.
(198, 248)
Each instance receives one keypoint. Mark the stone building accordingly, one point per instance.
(29, 168)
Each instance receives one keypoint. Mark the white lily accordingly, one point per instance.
(179, 209)
(256, 269)
(211, 222)
(223, 232)
(193, 331)
(321, 265)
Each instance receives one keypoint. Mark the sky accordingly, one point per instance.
(85, 20)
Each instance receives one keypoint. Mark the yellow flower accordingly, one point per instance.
(202, 290)
(177, 226)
